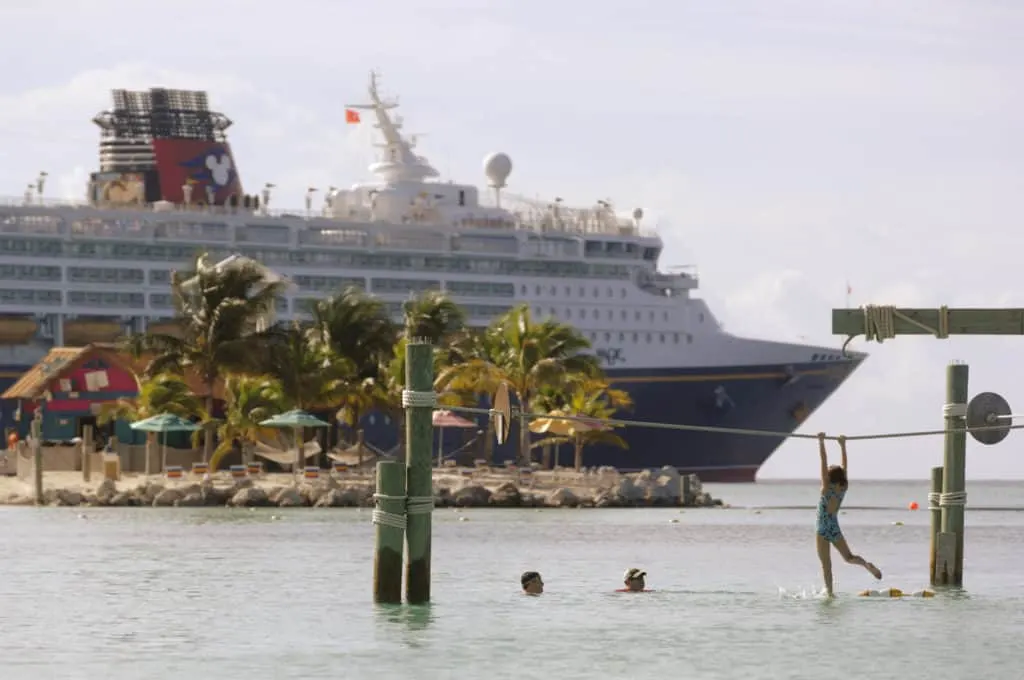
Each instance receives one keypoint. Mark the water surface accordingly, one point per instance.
(129, 593)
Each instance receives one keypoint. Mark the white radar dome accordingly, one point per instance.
(497, 167)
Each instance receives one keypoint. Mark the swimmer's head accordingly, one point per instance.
(532, 583)
(837, 475)
(635, 579)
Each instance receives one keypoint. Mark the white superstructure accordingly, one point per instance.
(100, 268)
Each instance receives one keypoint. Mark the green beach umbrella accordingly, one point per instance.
(163, 423)
(296, 419)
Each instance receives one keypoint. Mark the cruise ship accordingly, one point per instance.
(169, 185)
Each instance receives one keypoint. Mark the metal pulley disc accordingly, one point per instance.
(987, 410)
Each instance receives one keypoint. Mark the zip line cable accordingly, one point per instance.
(723, 430)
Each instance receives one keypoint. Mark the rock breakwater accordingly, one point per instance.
(601, 488)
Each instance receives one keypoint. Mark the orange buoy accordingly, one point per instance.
(913, 505)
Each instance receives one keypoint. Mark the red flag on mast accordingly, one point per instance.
(351, 116)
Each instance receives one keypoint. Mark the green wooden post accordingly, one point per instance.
(954, 464)
(933, 507)
(389, 516)
(37, 455)
(419, 408)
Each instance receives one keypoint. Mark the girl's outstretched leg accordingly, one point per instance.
(844, 550)
(826, 562)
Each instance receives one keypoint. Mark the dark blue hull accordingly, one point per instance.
(766, 397)
(776, 398)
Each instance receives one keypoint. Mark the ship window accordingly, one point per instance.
(610, 293)
(595, 292)
(622, 337)
(647, 337)
(637, 315)
(814, 357)
(661, 338)
(624, 314)
(675, 338)
(650, 315)
(593, 335)
(582, 291)
(622, 293)
(665, 316)
(552, 292)
(689, 338)
(537, 290)
(700, 317)
(522, 291)
(611, 314)
(636, 337)
(607, 336)
(568, 313)
(551, 312)
(568, 291)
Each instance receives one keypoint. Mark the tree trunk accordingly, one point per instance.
(524, 442)
(489, 443)
(578, 444)
(546, 457)
(208, 426)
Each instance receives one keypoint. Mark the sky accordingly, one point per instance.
(785, 148)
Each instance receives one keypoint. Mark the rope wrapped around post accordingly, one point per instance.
(880, 323)
(390, 511)
(419, 505)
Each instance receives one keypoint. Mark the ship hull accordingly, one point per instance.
(774, 398)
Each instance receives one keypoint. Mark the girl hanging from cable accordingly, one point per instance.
(833, 489)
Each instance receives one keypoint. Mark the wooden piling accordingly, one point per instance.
(87, 451)
(389, 517)
(936, 512)
(954, 464)
(37, 456)
(419, 379)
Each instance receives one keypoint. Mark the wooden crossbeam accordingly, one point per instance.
(913, 321)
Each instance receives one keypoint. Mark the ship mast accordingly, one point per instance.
(397, 161)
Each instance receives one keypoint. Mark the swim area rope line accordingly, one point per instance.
(954, 411)
(880, 322)
(392, 510)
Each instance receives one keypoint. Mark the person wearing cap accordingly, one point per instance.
(532, 583)
(635, 581)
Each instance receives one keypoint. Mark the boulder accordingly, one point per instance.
(193, 499)
(249, 497)
(472, 496)
(167, 498)
(562, 498)
(106, 491)
(290, 497)
(123, 499)
(338, 498)
(67, 498)
(506, 496)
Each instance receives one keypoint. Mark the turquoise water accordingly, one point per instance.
(129, 593)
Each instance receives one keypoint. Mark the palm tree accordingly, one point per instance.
(357, 327)
(525, 355)
(309, 373)
(434, 317)
(221, 312)
(248, 401)
(162, 393)
(589, 398)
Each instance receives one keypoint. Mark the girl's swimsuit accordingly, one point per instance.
(828, 524)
